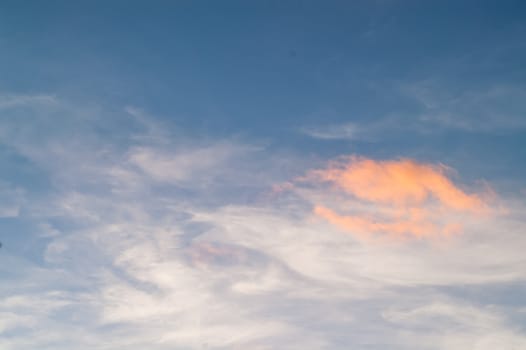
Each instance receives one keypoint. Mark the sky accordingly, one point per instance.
(263, 175)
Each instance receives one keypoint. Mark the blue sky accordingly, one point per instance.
(264, 70)
(274, 174)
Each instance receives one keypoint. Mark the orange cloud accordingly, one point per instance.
(409, 198)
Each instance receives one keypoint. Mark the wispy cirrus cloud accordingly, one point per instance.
(495, 108)
(18, 100)
(434, 106)
(135, 254)
(347, 131)
(189, 164)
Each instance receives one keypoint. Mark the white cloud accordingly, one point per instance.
(132, 261)
(455, 326)
(191, 164)
(346, 131)
(16, 100)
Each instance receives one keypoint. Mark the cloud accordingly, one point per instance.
(494, 108)
(204, 254)
(409, 197)
(16, 100)
(434, 106)
(347, 131)
(461, 326)
(398, 182)
(186, 164)
(367, 226)
(487, 252)
(137, 255)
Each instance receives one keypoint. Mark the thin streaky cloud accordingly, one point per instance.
(14, 100)
(347, 131)
(488, 109)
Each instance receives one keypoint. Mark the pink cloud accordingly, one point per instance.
(409, 198)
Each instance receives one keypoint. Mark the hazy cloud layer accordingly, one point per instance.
(148, 244)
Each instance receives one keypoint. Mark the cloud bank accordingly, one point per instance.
(157, 241)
